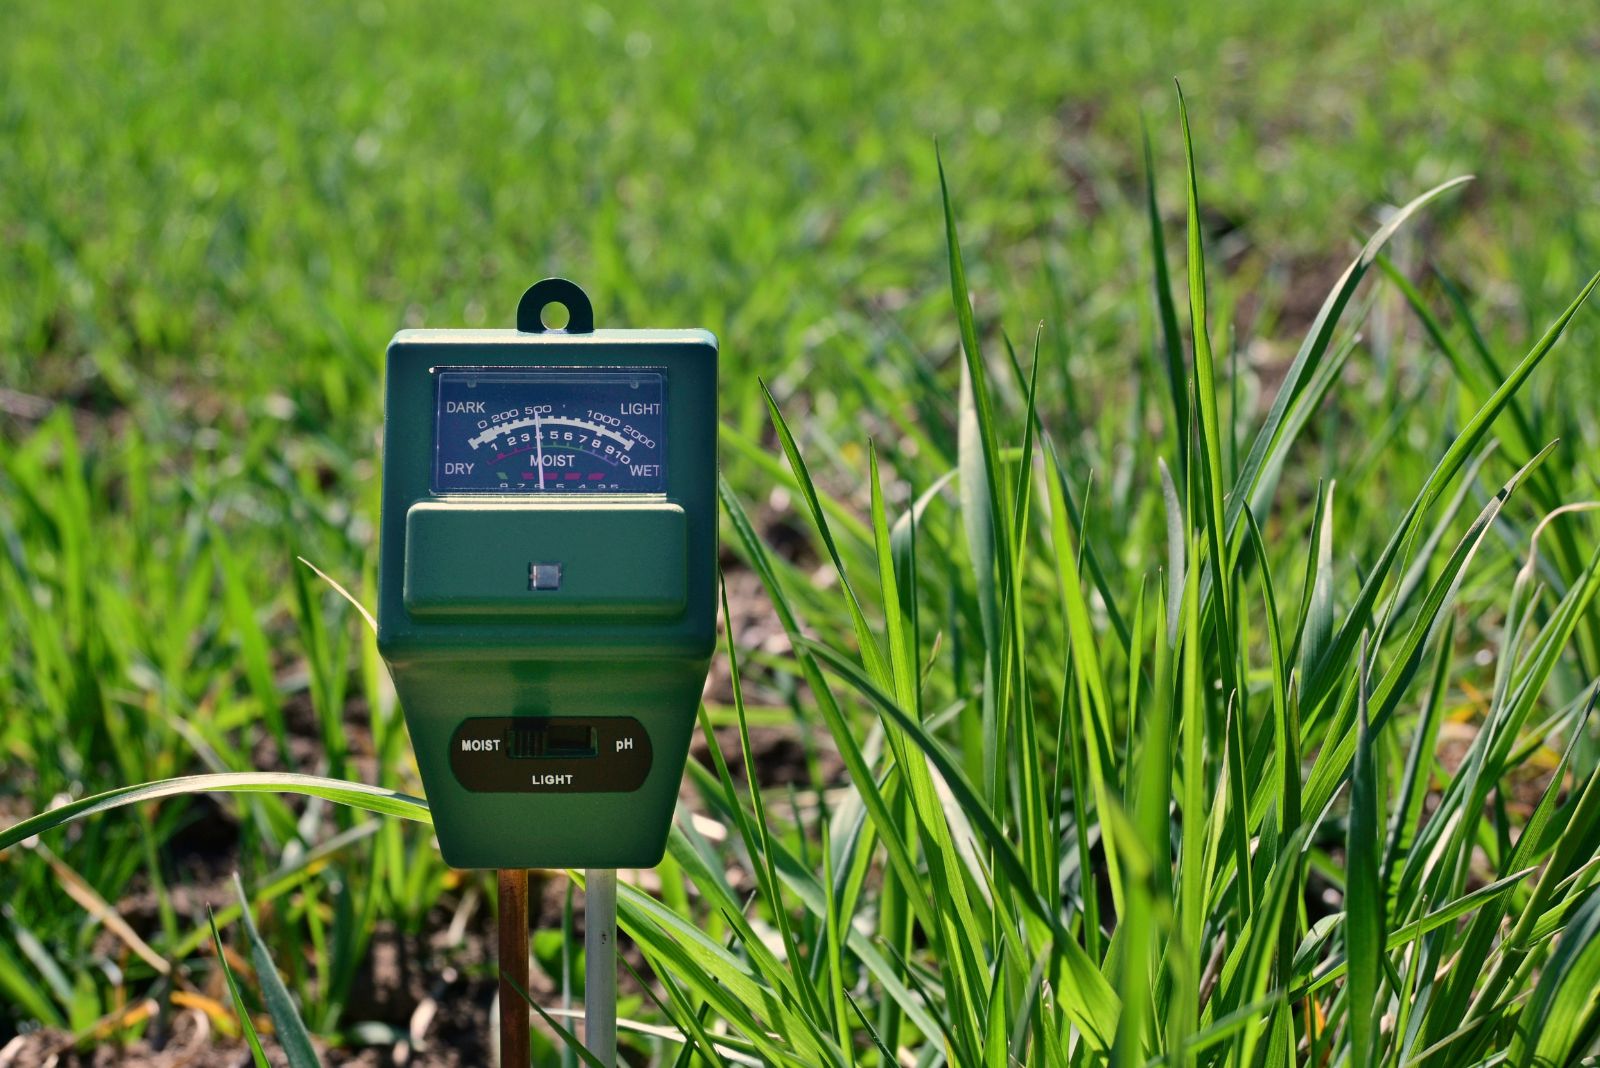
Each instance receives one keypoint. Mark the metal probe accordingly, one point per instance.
(514, 1007)
(600, 969)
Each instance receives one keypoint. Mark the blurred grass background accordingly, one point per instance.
(212, 221)
(250, 204)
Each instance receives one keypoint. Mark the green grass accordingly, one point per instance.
(1213, 675)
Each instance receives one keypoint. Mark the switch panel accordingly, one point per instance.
(550, 754)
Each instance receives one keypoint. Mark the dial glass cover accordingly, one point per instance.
(550, 431)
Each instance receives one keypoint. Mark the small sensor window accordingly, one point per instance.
(544, 576)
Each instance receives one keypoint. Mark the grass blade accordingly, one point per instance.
(290, 1029)
(1093, 1004)
(351, 794)
(1558, 1025)
(1208, 422)
(1167, 313)
(1270, 438)
(246, 1026)
(1363, 897)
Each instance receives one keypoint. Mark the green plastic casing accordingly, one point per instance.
(629, 633)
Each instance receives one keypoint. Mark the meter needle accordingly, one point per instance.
(538, 449)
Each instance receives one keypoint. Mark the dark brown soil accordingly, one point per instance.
(192, 1044)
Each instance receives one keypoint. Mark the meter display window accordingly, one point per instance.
(553, 432)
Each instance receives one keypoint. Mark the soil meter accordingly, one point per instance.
(547, 574)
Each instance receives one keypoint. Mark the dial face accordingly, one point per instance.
(550, 431)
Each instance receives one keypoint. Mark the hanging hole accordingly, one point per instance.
(555, 316)
(555, 304)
